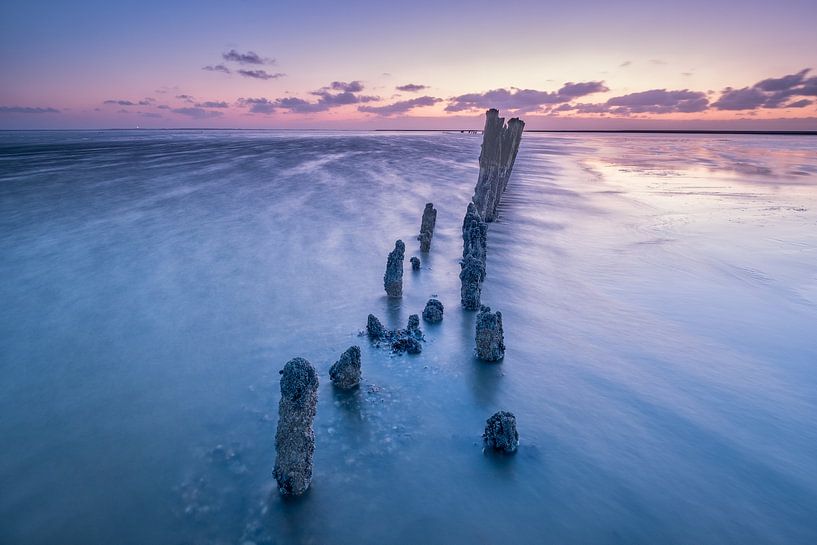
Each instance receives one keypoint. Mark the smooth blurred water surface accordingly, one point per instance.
(659, 295)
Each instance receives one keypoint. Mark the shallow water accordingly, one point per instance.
(659, 295)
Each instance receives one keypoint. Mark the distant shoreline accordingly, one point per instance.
(464, 131)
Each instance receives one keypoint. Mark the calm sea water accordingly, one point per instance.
(659, 295)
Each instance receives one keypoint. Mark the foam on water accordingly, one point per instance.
(659, 296)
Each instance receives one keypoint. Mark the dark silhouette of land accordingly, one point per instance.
(620, 131)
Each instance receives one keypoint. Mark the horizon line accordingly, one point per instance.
(464, 131)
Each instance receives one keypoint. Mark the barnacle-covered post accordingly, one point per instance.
(490, 338)
(295, 438)
(393, 279)
(427, 227)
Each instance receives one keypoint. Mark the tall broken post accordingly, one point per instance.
(393, 279)
(500, 144)
(295, 438)
(427, 227)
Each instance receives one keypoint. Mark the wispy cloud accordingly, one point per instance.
(770, 93)
(143, 102)
(186, 98)
(347, 87)
(782, 84)
(250, 57)
(257, 105)
(411, 87)
(212, 104)
(217, 68)
(572, 90)
(400, 107)
(337, 93)
(800, 103)
(27, 110)
(747, 98)
(196, 113)
(260, 74)
(299, 105)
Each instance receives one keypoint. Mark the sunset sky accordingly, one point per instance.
(586, 64)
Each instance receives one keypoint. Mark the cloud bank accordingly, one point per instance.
(27, 110)
(790, 91)
(795, 91)
(523, 100)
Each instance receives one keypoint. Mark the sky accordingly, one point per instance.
(581, 64)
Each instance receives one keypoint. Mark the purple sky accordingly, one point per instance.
(580, 64)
